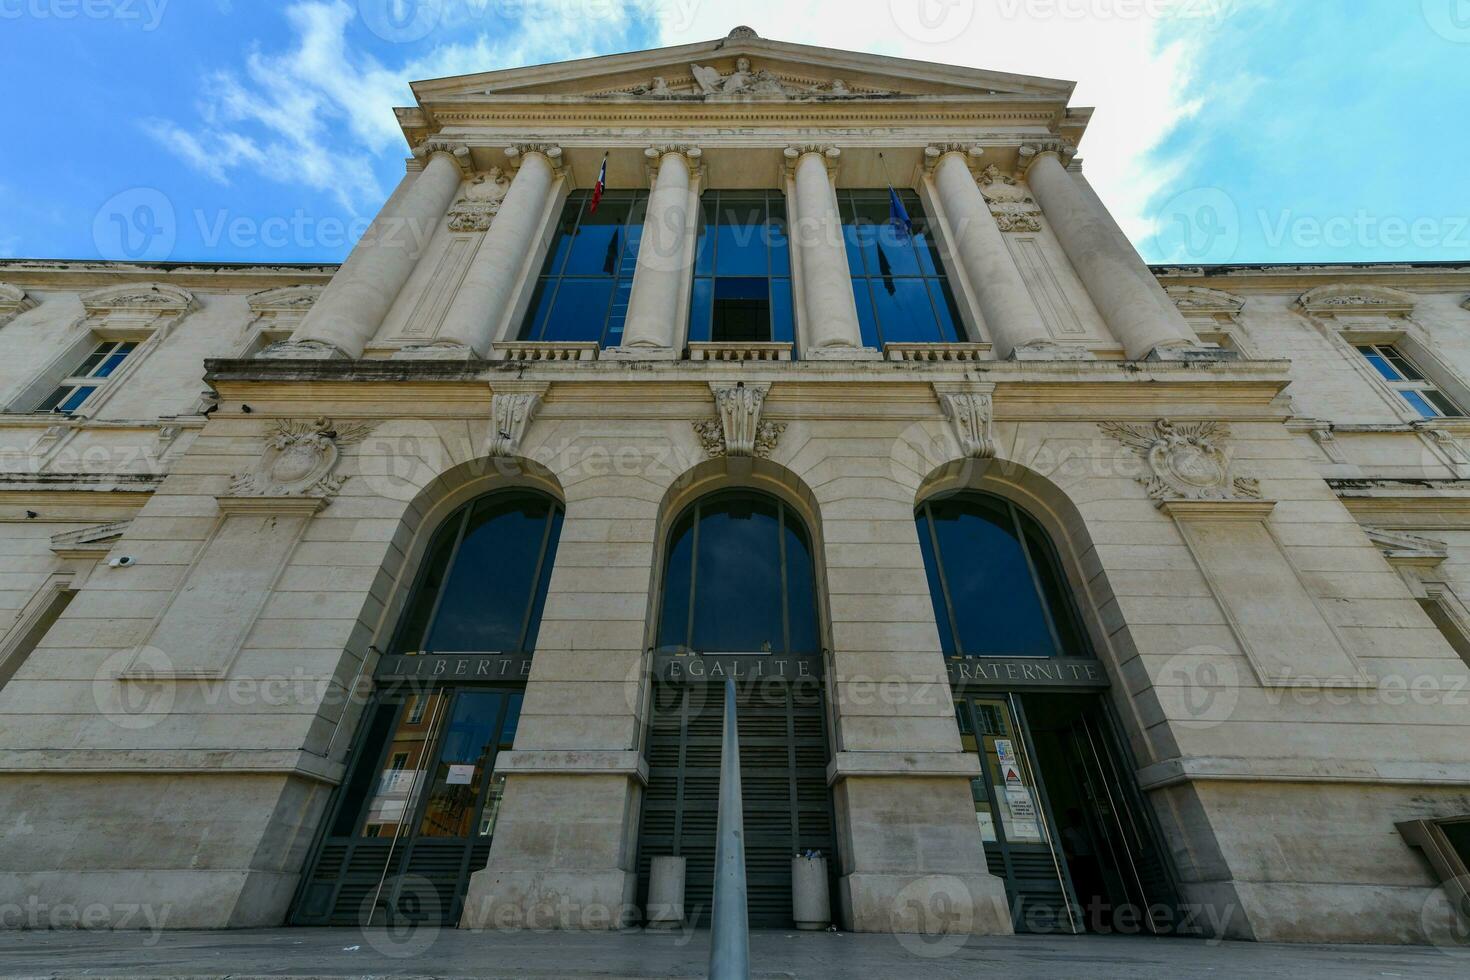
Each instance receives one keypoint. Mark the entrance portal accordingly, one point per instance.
(1063, 823)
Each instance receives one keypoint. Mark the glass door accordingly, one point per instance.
(415, 817)
(1021, 843)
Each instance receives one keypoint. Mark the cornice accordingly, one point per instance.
(82, 275)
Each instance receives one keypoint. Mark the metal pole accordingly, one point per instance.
(729, 947)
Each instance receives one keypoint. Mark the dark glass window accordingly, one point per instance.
(996, 583)
(81, 383)
(742, 269)
(582, 294)
(739, 578)
(902, 292)
(484, 578)
(1402, 376)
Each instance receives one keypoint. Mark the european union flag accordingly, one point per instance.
(898, 215)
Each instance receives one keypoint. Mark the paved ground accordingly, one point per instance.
(452, 953)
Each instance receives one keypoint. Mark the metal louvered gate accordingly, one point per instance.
(783, 773)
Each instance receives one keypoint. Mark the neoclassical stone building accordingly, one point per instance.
(1062, 593)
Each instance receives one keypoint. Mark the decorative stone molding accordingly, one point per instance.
(691, 153)
(970, 408)
(1352, 298)
(1187, 460)
(1403, 549)
(298, 461)
(1050, 350)
(456, 149)
(1014, 208)
(1322, 434)
(737, 429)
(831, 156)
(302, 350)
(938, 353)
(479, 202)
(130, 309)
(13, 302)
(547, 350)
(90, 543)
(277, 312)
(1444, 440)
(513, 405)
(754, 350)
(1198, 301)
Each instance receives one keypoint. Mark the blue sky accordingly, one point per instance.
(1227, 130)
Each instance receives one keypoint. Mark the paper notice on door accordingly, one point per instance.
(1004, 752)
(1012, 776)
(461, 775)
(987, 825)
(396, 782)
(1022, 824)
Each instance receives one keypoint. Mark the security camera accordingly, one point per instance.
(121, 561)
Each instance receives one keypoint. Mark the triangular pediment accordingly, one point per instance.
(738, 68)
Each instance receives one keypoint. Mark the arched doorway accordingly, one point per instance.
(738, 598)
(1060, 814)
(415, 816)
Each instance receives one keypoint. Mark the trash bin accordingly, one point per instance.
(810, 900)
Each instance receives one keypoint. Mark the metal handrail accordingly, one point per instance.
(729, 947)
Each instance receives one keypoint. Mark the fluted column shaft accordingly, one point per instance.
(489, 284)
(661, 277)
(1108, 270)
(829, 321)
(1005, 302)
(355, 302)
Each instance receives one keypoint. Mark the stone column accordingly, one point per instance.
(1108, 270)
(482, 303)
(1010, 313)
(661, 279)
(353, 305)
(829, 322)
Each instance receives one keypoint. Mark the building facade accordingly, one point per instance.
(1061, 593)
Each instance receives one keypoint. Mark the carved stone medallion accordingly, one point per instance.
(298, 461)
(1186, 460)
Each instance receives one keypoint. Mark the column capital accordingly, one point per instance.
(516, 153)
(1033, 151)
(693, 157)
(831, 156)
(935, 152)
(457, 150)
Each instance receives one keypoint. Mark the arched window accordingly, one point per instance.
(739, 578)
(484, 578)
(997, 586)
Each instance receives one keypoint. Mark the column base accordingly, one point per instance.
(593, 900)
(1190, 354)
(302, 350)
(435, 352)
(1052, 352)
(641, 354)
(841, 354)
(932, 904)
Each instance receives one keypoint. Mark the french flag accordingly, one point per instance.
(600, 186)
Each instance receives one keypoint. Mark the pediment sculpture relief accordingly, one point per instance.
(708, 83)
(1011, 203)
(479, 203)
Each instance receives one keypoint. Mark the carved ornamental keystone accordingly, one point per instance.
(298, 461)
(13, 302)
(1014, 208)
(1186, 460)
(512, 407)
(970, 408)
(479, 202)
(737, 429)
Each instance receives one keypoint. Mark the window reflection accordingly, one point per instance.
(997, 586)
(742, 269)
(587, 279)
(739, 578)
(898, 280)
